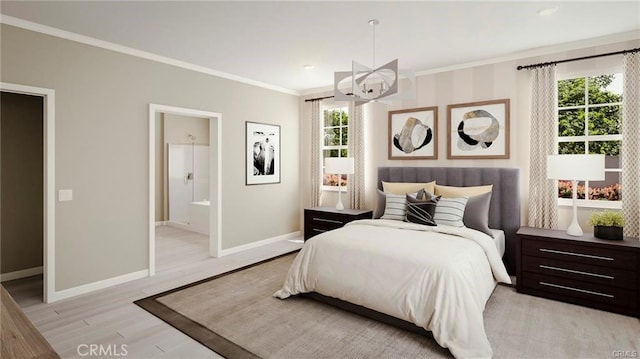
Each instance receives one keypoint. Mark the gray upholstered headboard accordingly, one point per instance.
(504, 212)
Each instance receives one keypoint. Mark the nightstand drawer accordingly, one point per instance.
(621, 259)
(582, 272)
(322, 219)
(589, 294)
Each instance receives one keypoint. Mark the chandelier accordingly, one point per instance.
(364, 84)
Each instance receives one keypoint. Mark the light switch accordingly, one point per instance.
(65, 195)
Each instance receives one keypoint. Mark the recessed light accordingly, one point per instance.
(309, 67)
(547, 11)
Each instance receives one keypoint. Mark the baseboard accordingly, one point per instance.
(90, 287)
(244, 247)
(177, 225)
(23, 273)
(161, 223)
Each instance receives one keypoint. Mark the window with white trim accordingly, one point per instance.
(589, 122)
(335, 137)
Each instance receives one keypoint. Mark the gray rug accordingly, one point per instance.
(235, 315)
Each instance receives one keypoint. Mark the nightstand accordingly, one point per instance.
(581, 270)
(322, 219)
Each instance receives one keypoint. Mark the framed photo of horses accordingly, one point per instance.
(478, 130)
(262, 153)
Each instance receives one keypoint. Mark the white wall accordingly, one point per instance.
(102, 100)
(488, 82)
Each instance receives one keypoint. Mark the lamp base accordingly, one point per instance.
(574, 230)
(339, 205)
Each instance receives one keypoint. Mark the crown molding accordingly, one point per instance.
(541, 51)
(67, 35)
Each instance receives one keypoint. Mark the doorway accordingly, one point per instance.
(186, 164)
(27, 184)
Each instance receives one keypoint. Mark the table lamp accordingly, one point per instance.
(575, 168)
(339, 166)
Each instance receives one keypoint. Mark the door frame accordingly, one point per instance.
(215, 177)
(49, 204)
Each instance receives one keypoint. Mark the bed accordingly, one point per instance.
(438, 278)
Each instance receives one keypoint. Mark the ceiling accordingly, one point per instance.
(271, 42)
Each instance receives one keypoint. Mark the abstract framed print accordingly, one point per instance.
(413, 134)
(478, 130)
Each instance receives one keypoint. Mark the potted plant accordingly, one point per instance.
(607, 224)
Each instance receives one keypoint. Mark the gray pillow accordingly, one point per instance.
(476, 213)
(381, 202)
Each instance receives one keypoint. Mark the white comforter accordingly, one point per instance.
(439, 278)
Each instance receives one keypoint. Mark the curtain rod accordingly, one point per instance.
(577, 58)
(318, 98)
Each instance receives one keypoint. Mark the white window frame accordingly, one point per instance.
(586, 138)
(324, 148)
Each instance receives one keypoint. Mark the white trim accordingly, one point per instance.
(67, 35)
(23, 273)
(244, 247)
(106, 283)
(215, 177)
(592, 203)
(522, 55)
(161, 223)
(49, 246)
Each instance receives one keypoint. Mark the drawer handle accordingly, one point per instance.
(576, 289)
(575, 254)
(576, 271)
(318, 230)
(326, 220)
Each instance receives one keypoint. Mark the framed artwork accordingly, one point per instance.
(413, 134)
(262, 153)
(478, 130)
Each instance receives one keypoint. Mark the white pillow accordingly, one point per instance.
(450, 211)
(396, 207)
(396, 204)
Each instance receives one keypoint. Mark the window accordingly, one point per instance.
(589, 122)
(335, 139)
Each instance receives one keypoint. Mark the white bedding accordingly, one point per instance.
(498, 239)
(439, 278)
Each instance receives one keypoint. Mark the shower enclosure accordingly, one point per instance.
(188, 169)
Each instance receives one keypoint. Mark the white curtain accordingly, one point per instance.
(356, 150)
(630, 151)
(316, 158)
(543, 193)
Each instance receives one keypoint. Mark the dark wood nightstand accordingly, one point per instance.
(322, 219)
(582, 270)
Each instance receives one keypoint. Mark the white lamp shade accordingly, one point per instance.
(339, 165)
(576, 167)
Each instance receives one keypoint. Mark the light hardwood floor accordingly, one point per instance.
(110, 318)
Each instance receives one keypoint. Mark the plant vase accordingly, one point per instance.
(608, 232)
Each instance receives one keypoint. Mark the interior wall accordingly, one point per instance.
(22, 183)
(488, 82)
(102, 100)
(174, 129)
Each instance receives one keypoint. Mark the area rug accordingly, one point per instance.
(235, 315)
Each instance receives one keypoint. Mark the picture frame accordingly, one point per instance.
(413, 134)
(262, 160)
(486, 135)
